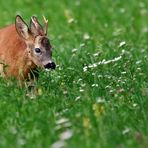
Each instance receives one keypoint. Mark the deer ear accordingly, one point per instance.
(22, 28)
(36, 27)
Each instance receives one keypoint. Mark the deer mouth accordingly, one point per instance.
(51, 65)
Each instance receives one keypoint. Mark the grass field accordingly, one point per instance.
(98, 95)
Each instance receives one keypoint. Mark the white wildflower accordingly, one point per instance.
(77, 98)
(81, 90)
(125, 131)
(107, 62)
(122, 44)
(138, 68)
(74, 50)
(96, 54)
(94, 85)
(82, 44)
(100, 100)
(138, 62)
(111, 91)
(61, 126)
(99, 63)
(85, 68)
(83, 85)
(116, 59)
(100, 76)
(79, 79)
(66, 135)
(135, 104)
(94, 65)
(108, 86)
(123, 72)
(70, 20)
(59, 144)
(90, 66)
(97, 85)
(62, 120)
(86, 36)
(65, 92)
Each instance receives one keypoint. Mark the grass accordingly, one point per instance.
(97, 96)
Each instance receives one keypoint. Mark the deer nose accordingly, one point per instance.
(51, 65)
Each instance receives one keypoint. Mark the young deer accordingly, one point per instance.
(23, 48)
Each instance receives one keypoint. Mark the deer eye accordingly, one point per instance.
(37, 50)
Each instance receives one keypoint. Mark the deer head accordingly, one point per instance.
(38, 45)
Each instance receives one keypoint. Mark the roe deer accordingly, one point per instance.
(23, 48)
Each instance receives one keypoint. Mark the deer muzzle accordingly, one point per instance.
(50, 65)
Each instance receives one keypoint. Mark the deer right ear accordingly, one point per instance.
(36, 27)
(22, 28)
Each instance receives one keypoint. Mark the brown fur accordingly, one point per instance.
(13, 54)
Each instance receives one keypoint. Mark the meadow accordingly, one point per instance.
(98, 95)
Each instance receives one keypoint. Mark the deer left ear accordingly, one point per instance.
(22, 28)
(36, 27)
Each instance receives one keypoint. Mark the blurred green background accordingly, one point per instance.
(97, 96)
